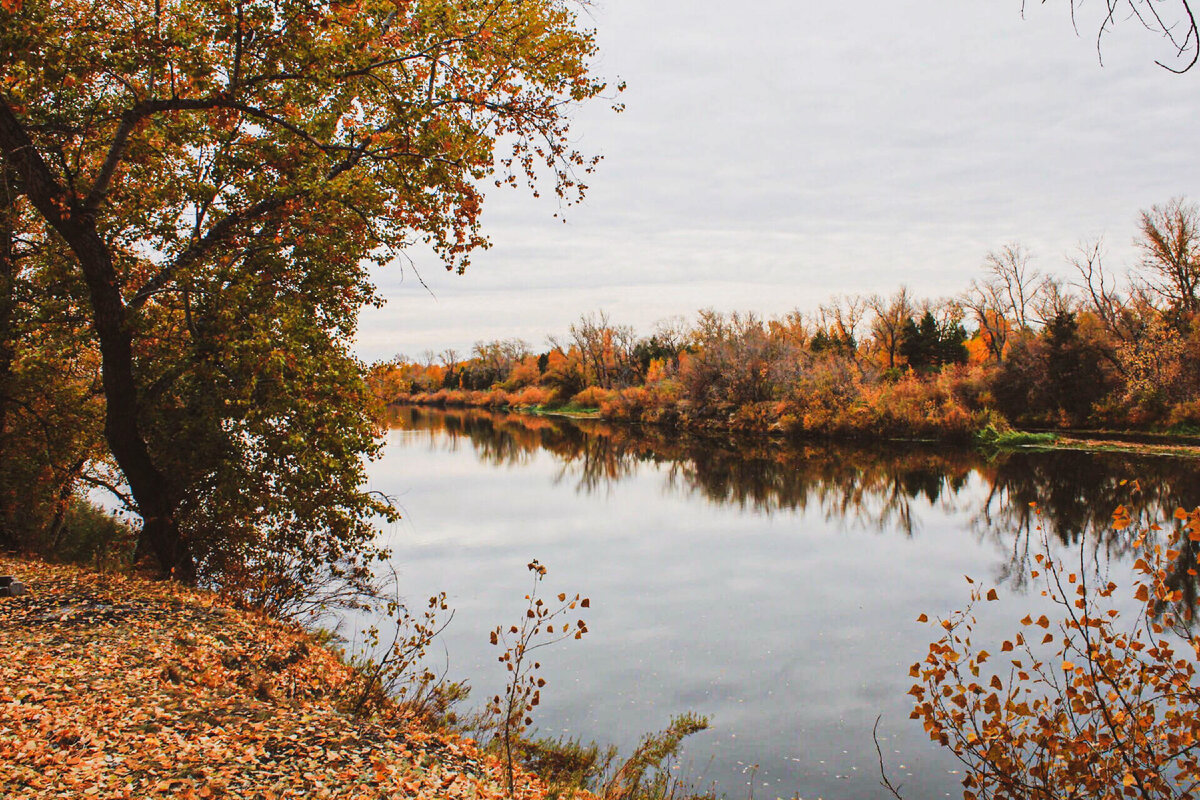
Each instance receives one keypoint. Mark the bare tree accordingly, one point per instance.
(605, 349)
(1170, 245)
(888, 325)
(843, 315)
(711, 325)
(948, 311)
(496, 358)
(588, 336)
(792, 329)
(986, 303)
(672, 332)
(1099, 289)
(1017, 284)
(1054, 300)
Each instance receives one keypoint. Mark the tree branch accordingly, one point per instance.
(217, 234)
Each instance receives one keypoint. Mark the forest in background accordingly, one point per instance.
(1016, 348)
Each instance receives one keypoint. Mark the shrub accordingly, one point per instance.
(542, 625)
(591, 397)
(530, 396)
(494, 398)
(91, 535)
(1087, 705)
(916, 408)
(1185, 417)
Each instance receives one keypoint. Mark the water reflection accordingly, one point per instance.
(1071, 494)
(771, 585)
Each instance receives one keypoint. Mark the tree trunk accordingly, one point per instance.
(148, 485)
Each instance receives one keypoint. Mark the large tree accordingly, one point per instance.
(220, 175)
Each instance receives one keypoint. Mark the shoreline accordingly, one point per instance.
(1147, 443)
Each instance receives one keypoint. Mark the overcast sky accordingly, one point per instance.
(774, 153)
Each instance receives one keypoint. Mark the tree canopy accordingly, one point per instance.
(213, 180)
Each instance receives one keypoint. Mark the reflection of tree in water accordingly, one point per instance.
(871, 486)
(1075, 495)
(879, 486)
(875, 487)
(496, 438)
(1181, 578)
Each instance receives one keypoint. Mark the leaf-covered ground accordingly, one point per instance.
(116, 686)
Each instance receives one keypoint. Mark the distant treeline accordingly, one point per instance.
(1017, 347)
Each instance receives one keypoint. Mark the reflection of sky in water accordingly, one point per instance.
(790, 623)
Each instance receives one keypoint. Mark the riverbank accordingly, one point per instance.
(115, 686)
(987, 435)
(1102, 442)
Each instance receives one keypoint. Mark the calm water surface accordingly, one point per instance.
(773, 588)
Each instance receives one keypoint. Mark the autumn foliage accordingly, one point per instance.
(1089, 704)
(1016, 348)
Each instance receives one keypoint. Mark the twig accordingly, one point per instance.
(883, 778)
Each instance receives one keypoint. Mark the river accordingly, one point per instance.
(773, 587)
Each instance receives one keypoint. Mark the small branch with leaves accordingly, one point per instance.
(542, 625)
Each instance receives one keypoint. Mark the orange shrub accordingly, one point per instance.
(1098, 702)
(1186, 413)
(913, 407)
(591, 397)
(494, 398)
(626, 404)
(530, 396)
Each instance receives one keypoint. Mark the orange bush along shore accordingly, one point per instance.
(114, 686)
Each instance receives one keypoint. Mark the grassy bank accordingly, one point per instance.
(114, 686)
